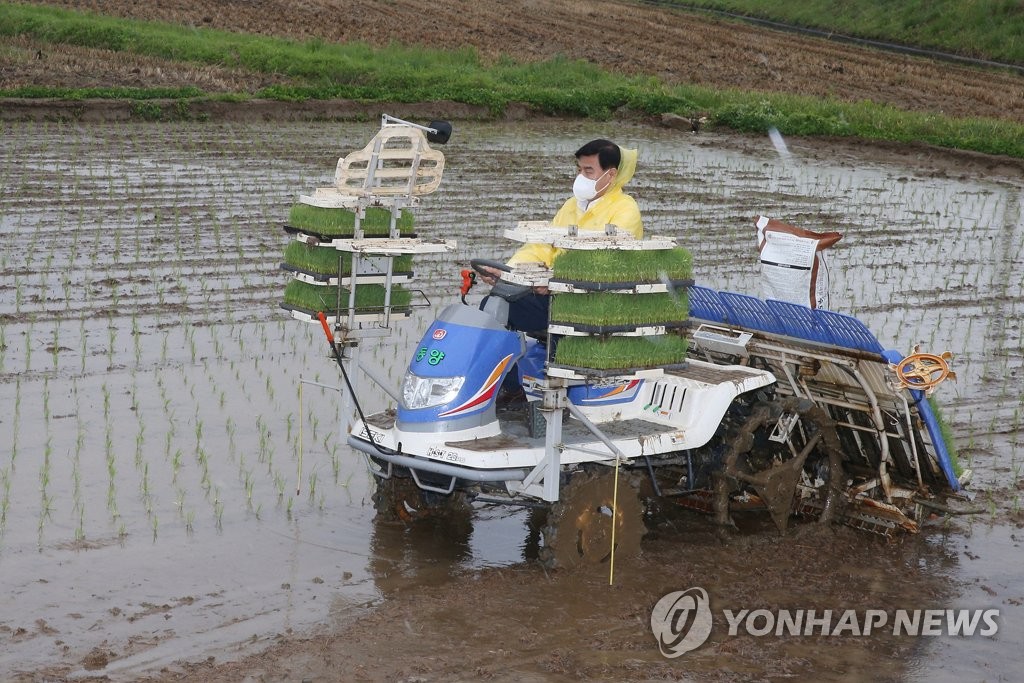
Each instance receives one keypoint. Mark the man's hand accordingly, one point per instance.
(490, 275)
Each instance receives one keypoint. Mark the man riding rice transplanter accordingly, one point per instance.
(598, 200)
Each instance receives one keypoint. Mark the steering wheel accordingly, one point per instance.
(503, 289)
(480, 265)
(922, 371)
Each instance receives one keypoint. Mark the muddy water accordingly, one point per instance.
(155, 507)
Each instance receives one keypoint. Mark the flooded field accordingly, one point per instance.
(168, 494)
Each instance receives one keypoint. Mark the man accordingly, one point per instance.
(598, 200)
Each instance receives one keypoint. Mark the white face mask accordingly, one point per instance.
(584, 188)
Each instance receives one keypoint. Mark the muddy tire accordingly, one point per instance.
(398, 499)
(578, 530)
(774, 470)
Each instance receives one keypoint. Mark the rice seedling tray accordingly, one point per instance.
(640, 330)
(620, 353)
(369, 298)
(563, 286)
(330, 198)
(530, 275)
(581, 373)
(374, 220)
(331, 262)
(318, 237)
(308, 316)
(608, 310)
(322, 279)
(614, 266)
(534, 232)
(388, 246)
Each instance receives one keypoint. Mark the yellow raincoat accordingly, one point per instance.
(614, 206)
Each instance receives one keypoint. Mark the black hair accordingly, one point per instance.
(608, 154)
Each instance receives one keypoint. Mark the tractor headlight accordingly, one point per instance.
(424, 392)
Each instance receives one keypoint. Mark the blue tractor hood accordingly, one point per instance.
(466, 343)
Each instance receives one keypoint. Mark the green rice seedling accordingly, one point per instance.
(55, 345)
(324, 260)
(335, 463)
(198, 432)
(137, 339)
(341, 222)
(112, 334)
(179, 501)
(5, 503)
(621, 352)
(140, 439)
(600, 308)
(16, 420)
(175, 465)
(46, 400)
(248, 483)
(83, 349)
(112, 495)
(613, 265)
(312, 485)
(44, 474)
(28, 347)
(369, 298)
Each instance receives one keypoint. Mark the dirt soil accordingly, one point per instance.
(571, 625)
(673, 45)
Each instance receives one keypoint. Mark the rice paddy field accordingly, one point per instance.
(170, 491)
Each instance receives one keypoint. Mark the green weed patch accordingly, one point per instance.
(987, 30)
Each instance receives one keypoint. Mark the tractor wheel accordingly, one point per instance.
(578, 530)
(779, 471)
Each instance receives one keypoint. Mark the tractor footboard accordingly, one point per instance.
(416, 464)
